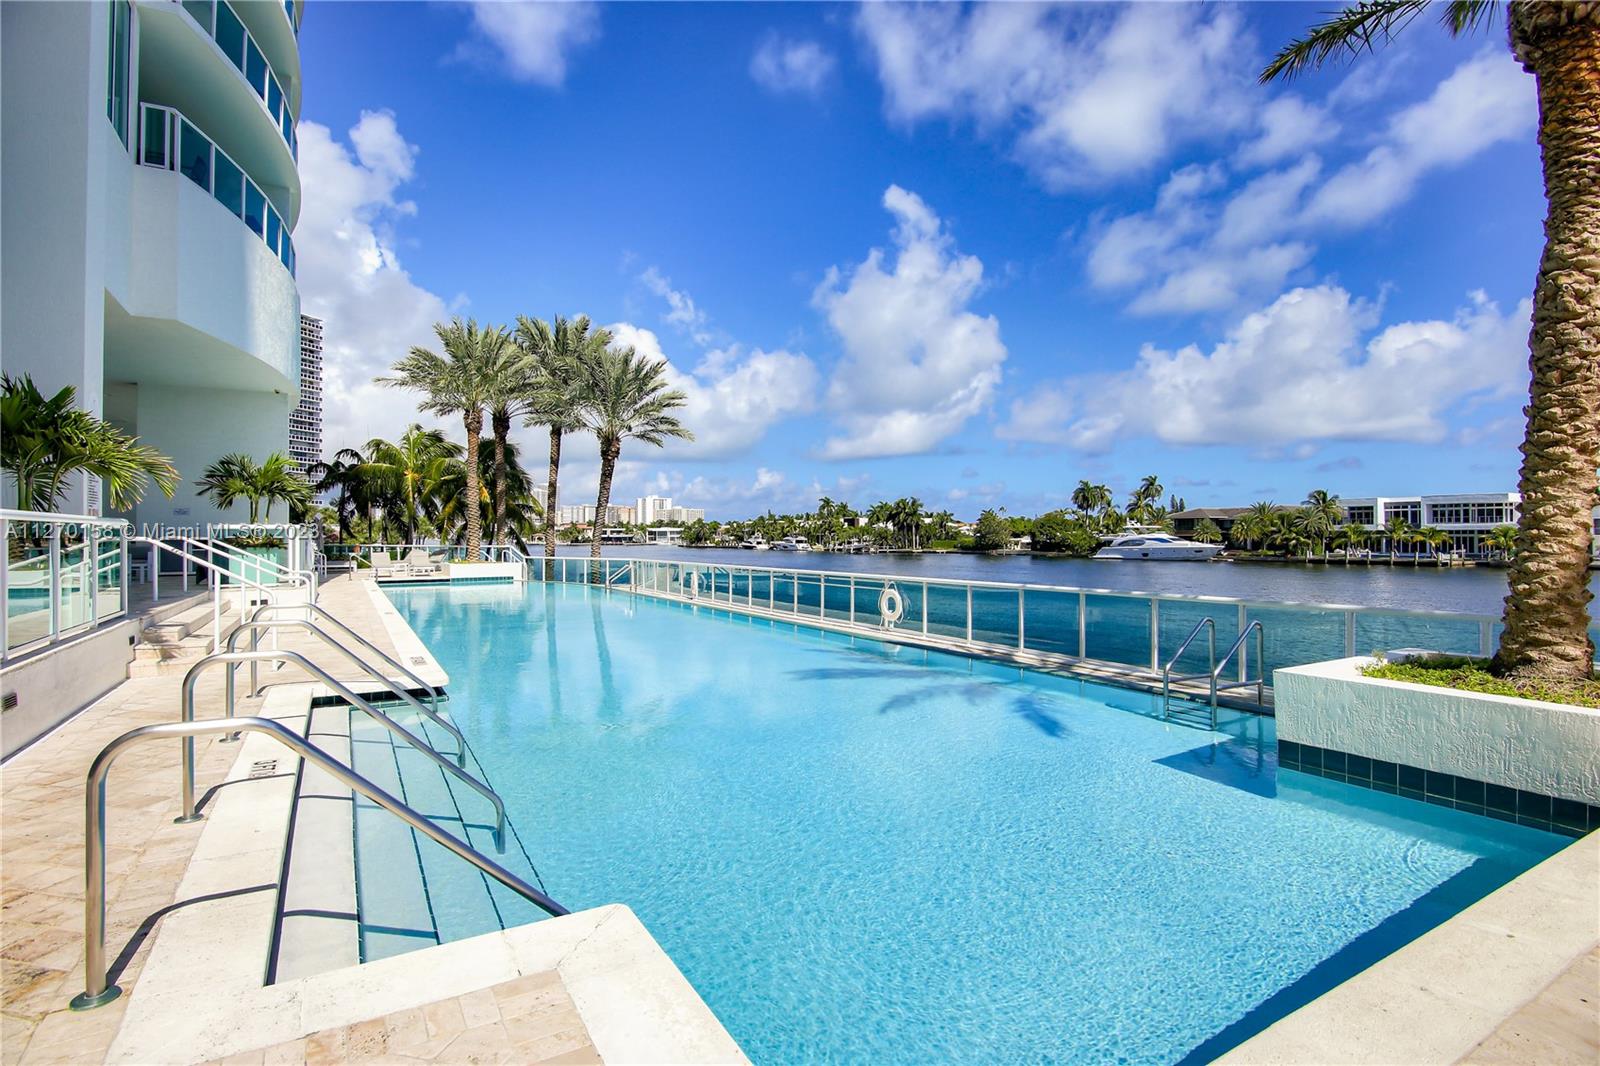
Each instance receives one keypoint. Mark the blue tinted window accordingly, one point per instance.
(194, 157)
(255, 69)
(255, 208)
(154, 150)
(274, 98)
(229, 187)
(274, 229)
(200, 11)
(230, 35)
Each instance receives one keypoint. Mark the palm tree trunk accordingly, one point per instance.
(609, 450)
(550, 504)
(1547, 610)
(472, 421)
(502, 429)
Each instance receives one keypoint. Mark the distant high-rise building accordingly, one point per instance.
(648, 509)
(305, 421)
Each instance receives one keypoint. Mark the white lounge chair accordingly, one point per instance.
(419, 561)
(383, 566)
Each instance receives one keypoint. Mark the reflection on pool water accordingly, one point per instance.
(865, 852)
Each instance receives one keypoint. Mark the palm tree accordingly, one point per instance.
(461, 381)
(514, 391)
(1398, 532)
(44, 440)
(1322, 516)
(1501, 541)
(1349, 537)
(1091, 499)
(1547, 611)
(626, 396)
(236, 476)
(410, 472)
(340, 475)
(1207, 532)
(1258, 520)
(524, 515)
(561, 355)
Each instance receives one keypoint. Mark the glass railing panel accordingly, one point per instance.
(194, 155)
(1295, 636)
(1051, 622)
(201, 12)
(28, 584)
(274, 229)
(1117, 629)
(255, 72)
(911, 595)
(994, 616)
(868, 595)
(275, 106)
(783, 593)
(255, 209)
(76, 580)
(108, 575)
(1387, 632)
(809, 588)
(836, 598)
(947, 611)
(231, 35)
(153, 141)
(1178, 620)
(761, 588)
(228, 185)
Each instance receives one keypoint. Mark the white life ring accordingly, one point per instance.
(891, 608)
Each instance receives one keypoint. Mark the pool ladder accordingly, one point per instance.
(1213, 673)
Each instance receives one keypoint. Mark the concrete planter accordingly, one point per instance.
(1548, 748)
(484, 571)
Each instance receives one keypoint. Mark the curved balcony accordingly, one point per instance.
(202, 58)
(169, 141)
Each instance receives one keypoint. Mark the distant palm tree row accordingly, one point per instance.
(565, 376)
(902, 523)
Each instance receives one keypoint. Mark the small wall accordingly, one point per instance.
(484, 571)
(53, 685)
(1536, 748)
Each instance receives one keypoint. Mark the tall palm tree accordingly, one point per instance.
(1090, 498)
(514, 390)
(1258, 520)
(626, 396)
(524, 515)
(1322, 516)
(237, 476)
(1398, 532)
(561, 355)
(410, 472)
(1547, 611)
(44, 440)
(341, 476)
(458, 382)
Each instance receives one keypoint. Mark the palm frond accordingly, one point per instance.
(1466, 16)
(1350, 32)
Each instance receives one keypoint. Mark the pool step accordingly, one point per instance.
(412, 891)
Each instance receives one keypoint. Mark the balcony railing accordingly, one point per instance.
(168, 141)
(218, 19)
(60, 574)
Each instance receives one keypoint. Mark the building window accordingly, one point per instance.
(231, 35)
(255, 206)
(118, 62)
(1359, 515)
(200, 11)
(194, 157)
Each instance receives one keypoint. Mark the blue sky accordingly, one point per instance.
(967, 254)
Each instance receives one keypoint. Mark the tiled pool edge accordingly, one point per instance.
(1439, 997)
(1536, 810)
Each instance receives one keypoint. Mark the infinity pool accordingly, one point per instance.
(861, 852)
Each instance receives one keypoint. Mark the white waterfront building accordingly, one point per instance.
(150, 190)
(1467, 517)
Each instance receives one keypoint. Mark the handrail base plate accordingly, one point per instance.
(84, 1001)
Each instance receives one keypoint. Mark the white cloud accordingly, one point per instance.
(1293, 373)
(532, 41)
(681, 309)
(732, 403)
(1288, 126)
(1205, 246)
(786, 66)
(917, 363)
(351, 277)
(1486, 100)
(1091, 96)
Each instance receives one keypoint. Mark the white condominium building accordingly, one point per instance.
(148, 160)
(305, 421)
(1467, 517)
(648, 509)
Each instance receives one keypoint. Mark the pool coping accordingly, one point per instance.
(1442, 995)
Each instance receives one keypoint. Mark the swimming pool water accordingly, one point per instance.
(863, 852)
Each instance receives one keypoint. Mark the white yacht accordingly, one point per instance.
(755, 543)
(795, 543)
(1154, 544)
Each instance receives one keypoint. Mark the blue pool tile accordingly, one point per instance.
(1441, 785)
(1411, 778)
(1333, 761)
(1500, 798)
(1359, 767)
(1385, 773)
(1469, 792)
(1533, 805)
(1311, 757)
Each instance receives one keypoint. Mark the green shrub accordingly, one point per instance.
(1472, 675)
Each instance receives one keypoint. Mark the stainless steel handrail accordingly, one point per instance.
(97, 990)
(322, 612)
(255, 628)
(155, 568)
(223, 658)
(1210, 626)
(1261, 666)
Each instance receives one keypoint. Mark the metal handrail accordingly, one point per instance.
(155, 569)
(224, 658)
(1210, 626)
(97, 990)
(322, 612)
(255, 627)
(1244, 667)
(286, 575)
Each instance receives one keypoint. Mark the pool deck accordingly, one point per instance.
(190, 911)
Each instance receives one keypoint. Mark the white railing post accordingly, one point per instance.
(924, 608)
(1349, 634)
(1155, 634)
(124, 567)
(1022, 620)
(852, 590)
(1485, 639)
(969, 614)
(5, 587)
(55, 581)
(1083, 625)
(1243, 621)
(91, 568)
